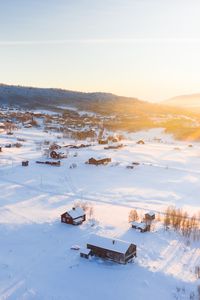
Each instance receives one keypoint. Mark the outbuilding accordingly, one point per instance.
(142, 227)
(85, 253)
(140, 142)
(96, 162)
(25, 163)
(150, 216)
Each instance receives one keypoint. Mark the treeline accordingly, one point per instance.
(180, 221)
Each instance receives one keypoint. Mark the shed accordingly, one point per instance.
(75, 216)
(142, 227)
(25, 163)
(85, 253)
(150, 216)
(103, 142)
(111, 249)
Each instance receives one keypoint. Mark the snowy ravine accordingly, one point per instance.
(36, 261)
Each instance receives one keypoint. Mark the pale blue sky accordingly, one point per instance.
(143, 48)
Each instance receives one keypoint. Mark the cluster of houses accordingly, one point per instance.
(107, 248)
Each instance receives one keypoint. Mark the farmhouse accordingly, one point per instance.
(96, 162)
(75, 216)
(142, 227)
(112, 249)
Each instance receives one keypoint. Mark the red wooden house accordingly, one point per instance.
(75, 216)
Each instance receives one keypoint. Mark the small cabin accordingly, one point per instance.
(103, 142)
(25, 163)
(112, 249)
(75, 216)
(8, 145)
(96, 162)
(150, 216)
(56, 155)
(142, 227)
(130, 167)
(140, 142)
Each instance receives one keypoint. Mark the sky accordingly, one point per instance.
(149, 49)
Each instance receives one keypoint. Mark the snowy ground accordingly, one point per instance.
(36, 261)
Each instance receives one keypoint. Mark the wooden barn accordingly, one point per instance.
(111, 249)
(142, 227)
(96, 162)
(75, 216)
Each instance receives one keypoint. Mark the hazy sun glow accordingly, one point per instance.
(147, 49)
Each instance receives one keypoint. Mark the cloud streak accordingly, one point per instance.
(98, 41)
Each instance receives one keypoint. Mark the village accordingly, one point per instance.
(94, 196)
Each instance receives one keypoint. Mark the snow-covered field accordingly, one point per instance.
(36, 261)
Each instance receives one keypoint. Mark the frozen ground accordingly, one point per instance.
(35, 257)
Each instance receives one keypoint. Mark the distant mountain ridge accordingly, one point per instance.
(187, 101)
(32, 97)
(59, 100)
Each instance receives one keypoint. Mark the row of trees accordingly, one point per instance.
(182, 222)
(178, 219)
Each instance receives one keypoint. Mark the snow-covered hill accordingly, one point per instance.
(31, 97)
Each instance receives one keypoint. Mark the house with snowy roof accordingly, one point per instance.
(75, 216)
(112, 249)
(150, 216)
(142, 227)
